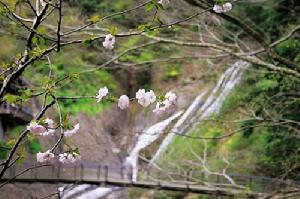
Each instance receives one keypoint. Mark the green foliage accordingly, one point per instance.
(180, 149)
(16, 131)
(266, 84)
(290, 49)
(281, 156)
(34, 146)
(89, 6)
(271, 97)
(4, 149)
(23, 96)
(106, 7)
(86, 85)
(68, 81)
(269, 16)
(172, 71)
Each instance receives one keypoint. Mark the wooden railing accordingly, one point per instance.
(102, 175)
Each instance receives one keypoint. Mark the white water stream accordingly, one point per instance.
(147, 137)
(197, 113)
(199, 110)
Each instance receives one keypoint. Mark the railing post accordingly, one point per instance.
(35, 172)
(52, 171)
(98, 172)
(12, 172)
(58, 172)
(122, 172)
(106, 173)
(81, 171)
(75, 172)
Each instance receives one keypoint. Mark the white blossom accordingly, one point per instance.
(227, 7)
(222, 8)
(109, 42)
(217, 8)
(68, 157)
(101, 93)
(35, 128)
(167, 104)
(151, 95)
(49, 122)
(38, 129)
(48, 132)
(145, 98)
(164, 2)
(170, 99)
(43, 3)
(123, 102)
(50, 127)
(44, 157)
(73, 131)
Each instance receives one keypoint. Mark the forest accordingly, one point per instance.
(158, 99)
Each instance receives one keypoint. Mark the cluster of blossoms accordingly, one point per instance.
(63, 158)
(47, 127)
(38, 129)
(144, 98)
(69, 157)
(73, 131)
(167, 104)
(44, 157)
(226, 7)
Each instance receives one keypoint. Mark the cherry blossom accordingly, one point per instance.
(222, 9)
(101, 93)
(35, 128)
(170, 99)
(123, 102)
(73, 131)
(44, 157)
(217, 8)
(151, 95)
(227, 7)
(38, 129)
(164, 2)
(145, 98)
(167, 104)
(43, 3)
(48, 132)
(109, 42)
(49, 122)
(69, 157)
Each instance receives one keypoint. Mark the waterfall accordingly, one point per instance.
(175, 130)
(212, 105)
(97, 193)
(147, 137)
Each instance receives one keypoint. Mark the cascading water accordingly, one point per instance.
(145, 139)
(212, 105)
(175, 130)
